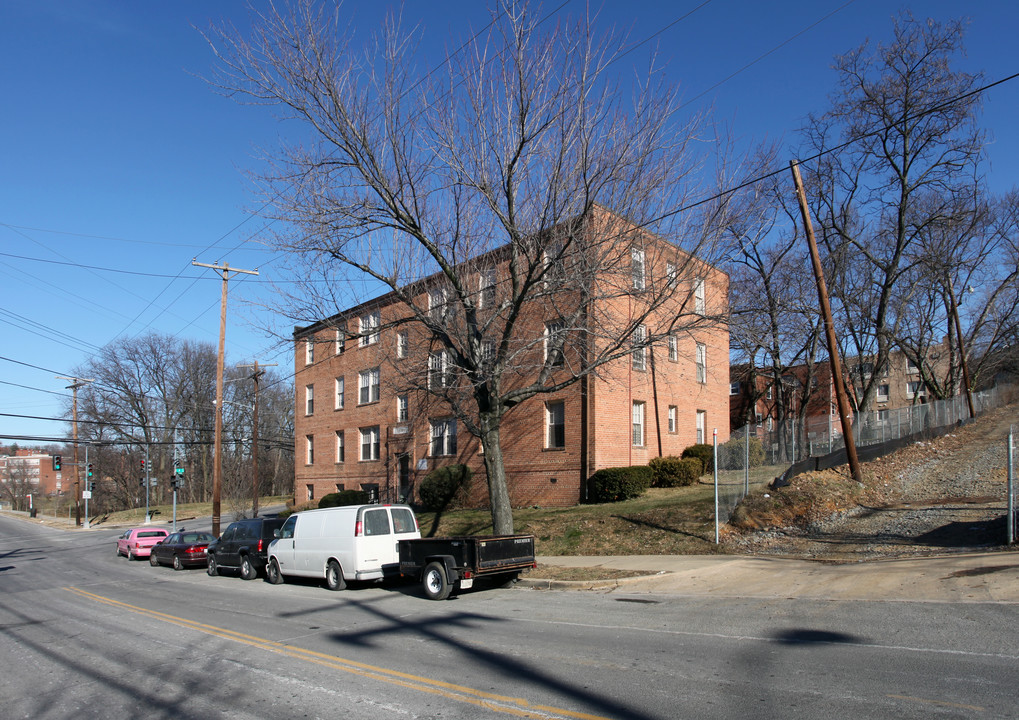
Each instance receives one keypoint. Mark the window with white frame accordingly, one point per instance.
(673, 348)
(438, 304)
(702, 425)
(340, 451)
(438, 369)
(702, 363)
(402, 408)
(769, 424)
(555, 265)
(339, 393)
(698, 296)
(309, 399)
(401, 344)
(443, 437)
(638, 424)
(673, 418)
(341, 338)
(555, 424)
(368, 328)
(671, 273)
(882, 392)
(309, 351)
(637, 267)
(486, 288)
(915, 388)
(370, 443)
(487, 350)
(368, 386)
(911, 366)
(639, 349)
(734, 388)
(555, 335)
(767, 393)
(309, 449)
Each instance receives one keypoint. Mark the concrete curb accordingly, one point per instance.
(548, 584)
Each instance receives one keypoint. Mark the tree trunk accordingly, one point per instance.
(498, 490)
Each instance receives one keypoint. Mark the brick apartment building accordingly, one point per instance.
(363, 420)
(29, 471)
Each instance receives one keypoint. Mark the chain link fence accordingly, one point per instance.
(759, 453)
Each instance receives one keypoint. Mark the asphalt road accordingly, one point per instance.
(88, 634)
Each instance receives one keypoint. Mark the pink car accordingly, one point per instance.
(138, 542)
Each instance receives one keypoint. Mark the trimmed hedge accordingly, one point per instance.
(615, 484)
(671, 471)
(703, 452)
(344, 497)
(445, 488)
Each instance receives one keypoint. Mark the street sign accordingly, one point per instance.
(86, 494)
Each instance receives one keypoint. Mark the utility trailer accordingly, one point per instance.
(446, 564)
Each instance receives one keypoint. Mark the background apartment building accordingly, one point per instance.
(368, 416)
(31, 472)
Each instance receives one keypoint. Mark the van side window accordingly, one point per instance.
(287, 531)
(403, 521)
(376, 522)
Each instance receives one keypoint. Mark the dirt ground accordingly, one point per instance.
(947, 495)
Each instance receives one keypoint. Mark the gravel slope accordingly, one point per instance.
(947, 495)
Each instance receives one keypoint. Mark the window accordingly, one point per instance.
(671, 273)
(339, 393)
(702, 363)
(638, 424)
(734, 388)
(487, 351)
(911, 366)
(309, 351)
(769, 425)
(368, 327)
(437, 304)
(555, 424)
(915, 388)
(639, 350)
(309, 399)
(555, 265)
(443, 437)
(340, 487)
(698, 296)
(882, 392)
(637, 267)
(368, 386)
(402, 411)
(340, 455)
(401, 344)
(438, 369)
(767, 394)
(309, 491)
(341, 338)
(376, 522)
(702, 424)
(673, 418)
(673, 348)
(370, 443)
(554, 337)
(309, 449)
(486, 288)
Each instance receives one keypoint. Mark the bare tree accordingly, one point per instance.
(912, 136)
(409, 183)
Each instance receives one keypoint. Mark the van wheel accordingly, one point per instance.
(334, 576)
(434, 580)
(212, 569)
(248, 571)
(272, 572)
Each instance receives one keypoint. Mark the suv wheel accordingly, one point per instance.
(211, 568)
(248, 571)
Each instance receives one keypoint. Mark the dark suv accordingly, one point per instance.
(244, 546)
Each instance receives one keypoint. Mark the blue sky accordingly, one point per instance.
(120, 164)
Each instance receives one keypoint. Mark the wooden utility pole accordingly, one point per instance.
(217, 460)
(73, 387)
(842, 398)
(254, 437)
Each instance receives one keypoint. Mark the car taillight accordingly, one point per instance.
(358, 529)
(193, 550)
(261, 546)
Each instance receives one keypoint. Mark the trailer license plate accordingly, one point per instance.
(467, 583)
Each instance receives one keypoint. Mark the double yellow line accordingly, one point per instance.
(518, 707)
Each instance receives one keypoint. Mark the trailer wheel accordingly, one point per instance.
(434, 580)
(334, 576)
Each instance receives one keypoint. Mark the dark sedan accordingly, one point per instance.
(181, 550)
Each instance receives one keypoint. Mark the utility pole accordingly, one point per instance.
(217, 461)
(256, 374)
(73, 387)
(829, 329)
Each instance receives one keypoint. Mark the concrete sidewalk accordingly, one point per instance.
(971, 577)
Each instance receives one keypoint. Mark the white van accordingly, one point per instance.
(358, 542)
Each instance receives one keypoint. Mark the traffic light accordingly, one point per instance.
(88, 470)
(56, 462)
(91, 487)
(143, 465)
(141, 483)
